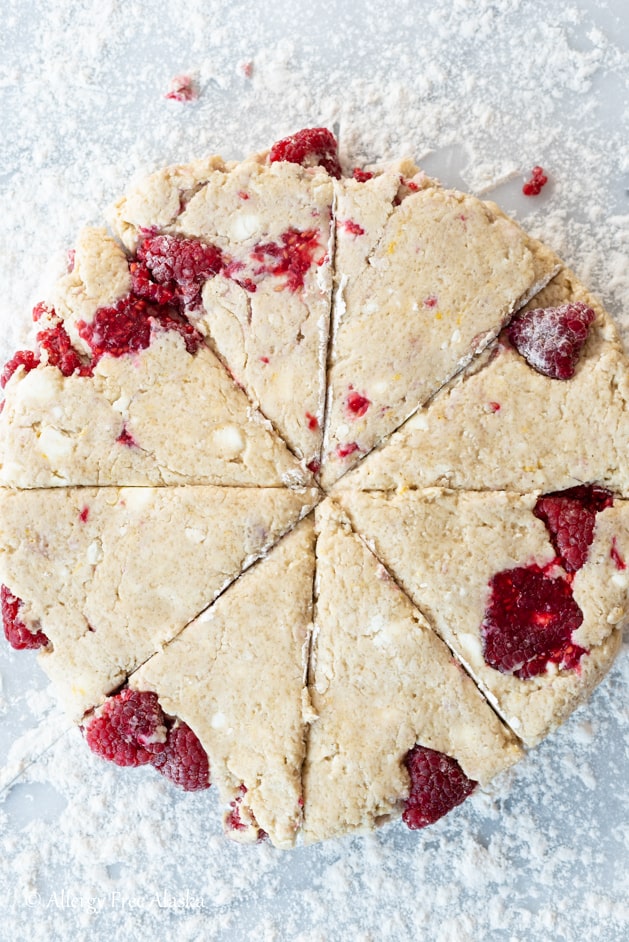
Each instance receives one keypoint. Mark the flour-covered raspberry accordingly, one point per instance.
(438, 784)
(173, 268)
(184, 760)
(129, 729)
(551, 339)
(26, 359)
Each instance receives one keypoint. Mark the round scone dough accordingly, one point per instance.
(271, 460)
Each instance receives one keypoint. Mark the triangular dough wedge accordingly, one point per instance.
(444, 548)
(505, 426)
(165, 414)
(236, 676)
(380, 682)
(111, 574)
(267, 311)
(425, 279)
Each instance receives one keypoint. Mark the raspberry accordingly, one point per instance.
(126, 438)
(182, 89)
(61, 353)
(344, 451)
(314, 466)
(292, 257)
(438, 784)
(616, 556)
(15, 631)
(570, 517)
(169, 267)
(361, 176)
(313, 421)
(184, 760)
(353, 228)
(23, 358)
(357, 404)
(129, 730)
(312, 147)
(127, 327)
(535, 184)
(551, 339)
(529, 623)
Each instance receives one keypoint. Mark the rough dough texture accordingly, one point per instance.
(273, 337)
(188, 422)
(444, 547)
(236, 676)
(425, 279)
(289, 380)
(547, 434)
(380, 682)
(111, 574)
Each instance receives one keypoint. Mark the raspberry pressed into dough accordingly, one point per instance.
(329, 656)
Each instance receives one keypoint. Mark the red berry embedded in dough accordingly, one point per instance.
(529, 622)
(129, 729)
(352, 227)
(551, 339)
(361, 176)
(345, 450)
(357, 404)
(128, 327)
(15, 631)
(184, 760)
(173, 268)
(570, 517)
(616, 555)
(534, 186)
(438, 784)
(292, 257)
(312, 147)
(23, 358)
(57, 344)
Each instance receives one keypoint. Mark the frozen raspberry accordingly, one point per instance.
(292, 257)
(170, 267)
(314, 466)
(529, 623)
(438, 784)
(551, 339)
(184, 760)
(313, 421)
(357, 404)
(534, 186)
(361, 176)
(129, 729)
(127, 327)
(15, 631)
(570, 517)
(23, 358)
(312, 147)
(182, 89)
